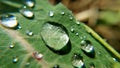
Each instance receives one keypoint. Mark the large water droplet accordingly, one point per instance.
(51, 13)
(29, 3)
(55, 35)
(8, 21)
(15, 59)
(26, 12)
(29, 33)
(37, 55)
(77, 61)
(88, 48)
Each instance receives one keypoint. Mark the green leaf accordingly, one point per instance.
(28, 49)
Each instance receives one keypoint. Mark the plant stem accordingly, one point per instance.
(94, 34)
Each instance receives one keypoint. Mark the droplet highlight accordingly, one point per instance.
(29, 33)
(56, 66)
(51, 13)
(77, 61)
(26, 12)
(55, 35)
(62, 13)
(15, 59)
(8, 21)
(11, 46)
(88, 48)
(29, 3)
(37, 55)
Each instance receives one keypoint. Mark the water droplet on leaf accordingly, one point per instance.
(27, 64)
(37, 55)
(29, 3)
(88, 48)
(8, 21)
(78, 23)
(51, 13)
(55, 35)
(92, 65)
(26, 12)
(77, 61)
(15, 59)
(56, 66)
(11, 46)
(63, 13)
(77, 34)
(72, 30)
(29, 33)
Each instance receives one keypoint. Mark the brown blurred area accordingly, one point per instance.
(88, 11)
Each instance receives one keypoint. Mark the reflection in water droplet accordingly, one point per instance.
(26, 12)
(78, 23)
(87, 46)
(11, 46)
(77, 34)
(77, 61)
(114, 59)
(15, 59)
(51, 13)
(8, 21)
(29, 33)
(56, 66)
(29, 3)
(37, 55)
(72, 30)
(63, 13)
(54, 35)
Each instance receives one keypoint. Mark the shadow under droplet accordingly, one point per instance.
(65, 50)
(90, 54)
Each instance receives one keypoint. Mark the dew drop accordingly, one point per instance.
(77, 34)
(88, 48)
(51, 13)
(26, 12)
(15, 59)
(55, 35)
(77, 61)
(62, 13)
(8, 21)
(78, 23)
(56, 66)
(11, 46)
(29, 3)
(29, 33)
(72, 30)
(114, 59)
(37, 55)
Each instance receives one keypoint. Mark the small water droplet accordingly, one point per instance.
(78, 23)
(56, 66)
(88, 48)
(77, 61)
(62, 13)
(51, 13)
(29, 33)
(11, 46)
(29, 3)
(114, 59)
(92, 65)
(8, 21)
(77, 34)
(37, 55)
(72, 30)
(15, 59)
(27, 64)
(26, 12)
